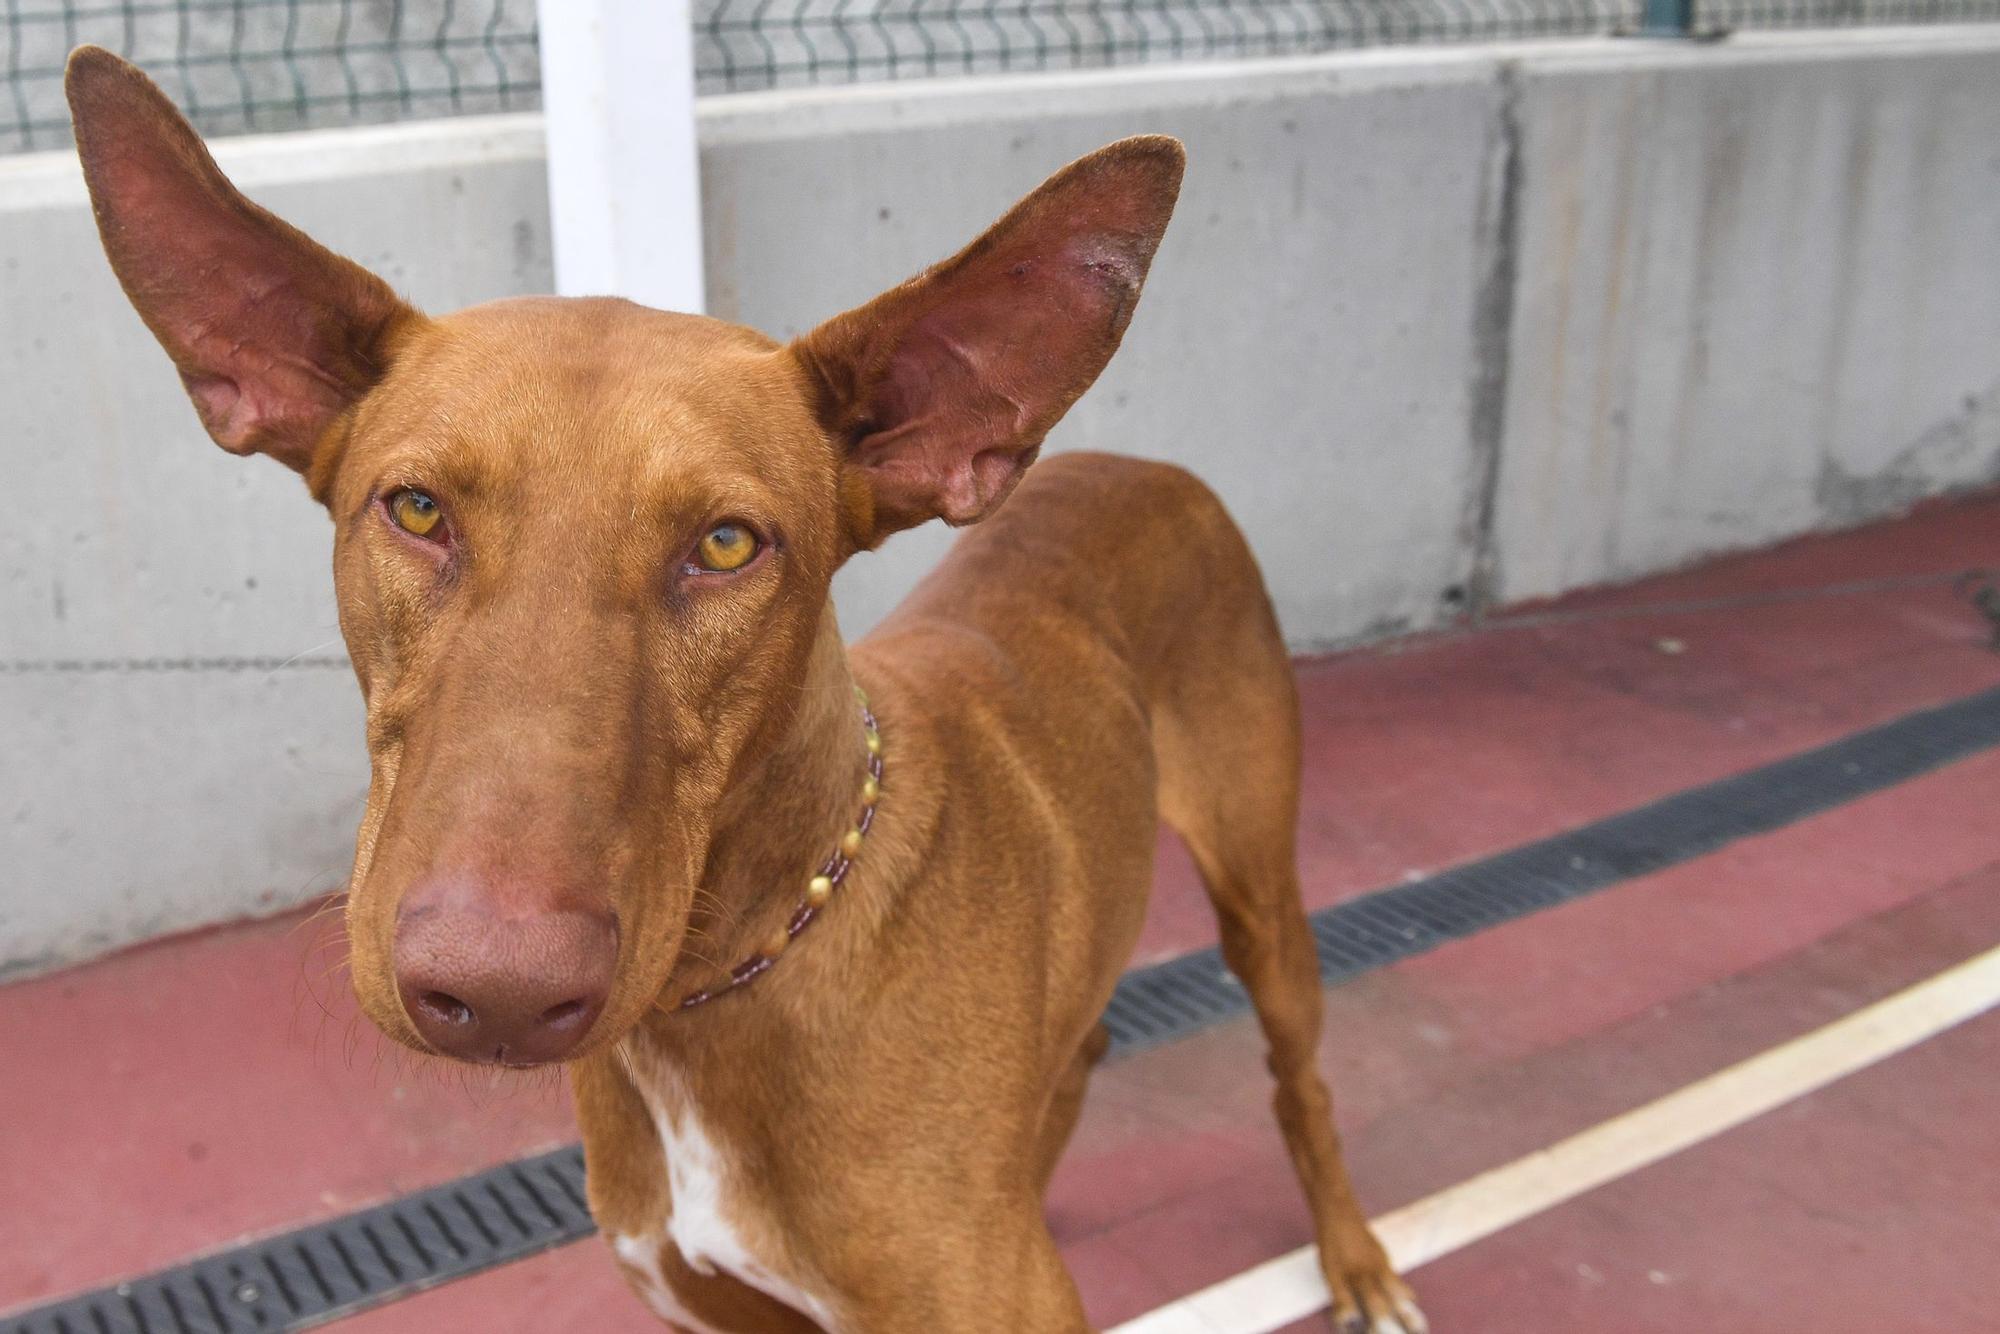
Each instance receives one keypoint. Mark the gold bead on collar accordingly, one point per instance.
(819, 889)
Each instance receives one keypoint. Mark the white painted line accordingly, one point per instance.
(1290, 1288)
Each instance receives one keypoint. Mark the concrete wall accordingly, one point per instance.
(179, 733)
(1483, 323)
(1757, 292)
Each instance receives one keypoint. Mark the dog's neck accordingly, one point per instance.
(779, 821)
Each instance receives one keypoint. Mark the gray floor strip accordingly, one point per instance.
(1392, 924)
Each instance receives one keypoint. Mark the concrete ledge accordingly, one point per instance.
(43, 180)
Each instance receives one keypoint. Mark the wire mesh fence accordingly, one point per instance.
(1727, 15)
(751, 44)
(250, 65)
(258, 65)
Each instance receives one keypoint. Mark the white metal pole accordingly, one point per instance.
(624, 171)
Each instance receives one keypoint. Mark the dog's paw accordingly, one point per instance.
(1374, 1301)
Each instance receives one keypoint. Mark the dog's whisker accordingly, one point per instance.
(353, 1039)
(305, 990)
(332, 905)
(307, 653)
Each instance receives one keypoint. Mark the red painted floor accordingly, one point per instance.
(1856, 1210)
(199, 1091)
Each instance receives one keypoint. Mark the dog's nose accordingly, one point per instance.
(508, 990)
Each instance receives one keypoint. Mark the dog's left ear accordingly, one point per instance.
(942, 388)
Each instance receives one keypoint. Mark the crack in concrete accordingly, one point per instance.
(1492, 337)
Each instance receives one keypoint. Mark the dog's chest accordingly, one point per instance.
(705, 1221)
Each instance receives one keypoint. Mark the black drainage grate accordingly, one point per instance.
(516, 1210)
(317, 1274)
(1172, 999)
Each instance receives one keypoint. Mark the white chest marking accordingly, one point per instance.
(641, 1255)
(699, 1224)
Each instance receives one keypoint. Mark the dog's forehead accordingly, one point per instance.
(547, 388)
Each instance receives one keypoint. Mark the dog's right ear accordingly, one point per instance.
(274, 335)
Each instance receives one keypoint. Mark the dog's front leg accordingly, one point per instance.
(1001, 1277)
(626, 1174)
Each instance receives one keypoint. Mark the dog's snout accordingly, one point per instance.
(510, 990)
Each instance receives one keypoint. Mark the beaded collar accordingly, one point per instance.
(818, 889)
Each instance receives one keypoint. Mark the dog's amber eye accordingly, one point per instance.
(415, 512)
(728, 546)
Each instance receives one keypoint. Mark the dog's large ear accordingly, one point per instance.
(274, 335)
(943, 388)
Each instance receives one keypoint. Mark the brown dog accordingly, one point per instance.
(582, 551)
